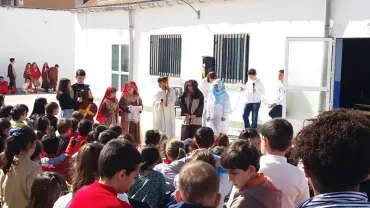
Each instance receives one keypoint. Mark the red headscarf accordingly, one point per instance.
(25, 75)
(125, 89)
(100, 116)
(35, 72)
(44, 67)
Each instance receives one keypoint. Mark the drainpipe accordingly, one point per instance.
(131, 45)
(327, 18)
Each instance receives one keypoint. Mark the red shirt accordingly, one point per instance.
(97, 195)
(63, 168)
(73, 135)
(75, 144)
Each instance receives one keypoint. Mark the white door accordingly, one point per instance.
(308, 79)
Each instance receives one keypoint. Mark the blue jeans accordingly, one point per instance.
(66, 113)
(248, 108)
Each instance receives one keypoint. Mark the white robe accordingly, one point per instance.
(205, 88)
(216, 112)
(164, 117)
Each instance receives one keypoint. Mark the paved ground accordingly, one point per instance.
(146, 117)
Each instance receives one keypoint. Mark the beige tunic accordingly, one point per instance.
(129, 127)
(109, 110)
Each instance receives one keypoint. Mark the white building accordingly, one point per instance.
(98, 40)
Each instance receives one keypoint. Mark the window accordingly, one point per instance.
(231, 57)
(165, 55)
(8, 2)
(120, 62)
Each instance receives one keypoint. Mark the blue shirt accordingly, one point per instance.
(337, 199)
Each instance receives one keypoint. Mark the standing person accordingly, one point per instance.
(192, 104)
(12, 74)
(218, 108)
(35, 74)
(64, 96)
(164, 108)
(131, 106)
(206, 87)
(254, 92)
(80, 89)
(45, 77)
(27, 72)
(53, 77)
(108, 109)
(18, 170)
(277, 105)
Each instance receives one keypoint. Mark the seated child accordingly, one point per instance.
(52, 110)
(116, 129)
(84, 127)
(151, 137)
(74, 132)
(4, 88)
(129, 138)
(42, 127)
(106, 136)
(98, 130)
(37, 154)
(4, 132)
(116, 176)
(334, 148)
(241, 162)
(19, 115)
(5, 112)
(198, 186)
(51, 150)
(78, 115)
(253, 136)
(64, 127)
(28, 87)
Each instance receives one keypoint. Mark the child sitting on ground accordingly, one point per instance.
(42, 127)
(37, 154)
(251, 135)
(52, 110)
(116, 129)
(84, 127)
(74, 132)
(4, 132)
(64, 127)
(19, 115)
(198, 186)
(241, 162)
(78, 115)
(106, 136)
(28, 87)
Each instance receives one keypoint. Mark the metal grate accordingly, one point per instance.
(231, 56)
(165, 55)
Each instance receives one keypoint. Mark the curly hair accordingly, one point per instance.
(334, 148)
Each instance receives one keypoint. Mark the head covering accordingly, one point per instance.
(125, 88)
(35, 71)
(100, 116)
(27, 73)
(220, 95)
(43, 67)
(196, 92)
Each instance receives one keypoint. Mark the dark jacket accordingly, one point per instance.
(81, 90)
(10, 72)
(67, 102)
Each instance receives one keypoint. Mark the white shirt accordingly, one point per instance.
(255, 97)
(286, 177)
(65, 201)
(280, 93)
(205, 88)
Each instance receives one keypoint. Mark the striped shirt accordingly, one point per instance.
(337, 199)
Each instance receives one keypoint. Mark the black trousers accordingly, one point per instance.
(189, 131)
(276, 112)
(11, 83)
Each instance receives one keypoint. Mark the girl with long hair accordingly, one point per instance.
(35, 74)
(45, 77)
(18, 171)
(65, 98)
(39, 110)
(27, 72)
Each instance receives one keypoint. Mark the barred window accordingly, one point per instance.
(165, 55)
(231, 52)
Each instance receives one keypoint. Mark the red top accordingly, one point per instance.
(97, 195)
(35, 71)
(46, 65)
(100, 116)
(27, 73)
(133, 85)
(63, 168)
(4, 87)
(75, 144)
(73, 135)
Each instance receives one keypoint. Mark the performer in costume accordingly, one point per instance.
(206, 87)
(192, 103)
(80, 90)
(4, 86)
(28, 87)
(12, 75)
(53, 77)
(27, 72)
(35, 74)
(131, 105)
(108, 109)
(164, 108)
(45, 77)
(218, 108)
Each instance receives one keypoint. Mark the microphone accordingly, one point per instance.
(254, 85)
(162, 100)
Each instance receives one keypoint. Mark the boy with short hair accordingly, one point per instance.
(52, 109)
(152, 137)
(198, 186)
(84, 127)
(80, 89)
(64, 127)
(241, 162)
(106, 136)
(19, 115)
(78, 115)
(334, 148)
(116, 176)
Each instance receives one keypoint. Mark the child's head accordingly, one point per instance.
(334, 148)
(84, 127)
(39, 106)
(78, 115)
(80, 76)
(120, 172)
(4, 126)
(129, 138)
(42, 124)
(98, 130)
(152, 137)
(205, 156)
(221, 140)
(2, 100)
(23, 106)
(63, 86)
(241, 160)
(162, 147)
(50, 144)
(5, 112)
(37, 154)
(86, 166)
(21, 140)
(90, 137)
(45, 190)
(151, 157)
(116, 129)
(64, 126)
(106, 136)
(18, 114)
(95, 125)
(74, 124)
(199, 184)
(251, 135)
(111, 91)
(205, 137)
(28, 80)
(175, 150)
(277, 136)
(52, 109)
(219, 149)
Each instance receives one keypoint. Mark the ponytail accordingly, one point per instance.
(151, 156)
(19, 140)
(144, 166)
(175, 149)
(181, 154)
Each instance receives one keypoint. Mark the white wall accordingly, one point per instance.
(95, 34)
(33, 35)
(268, 22)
